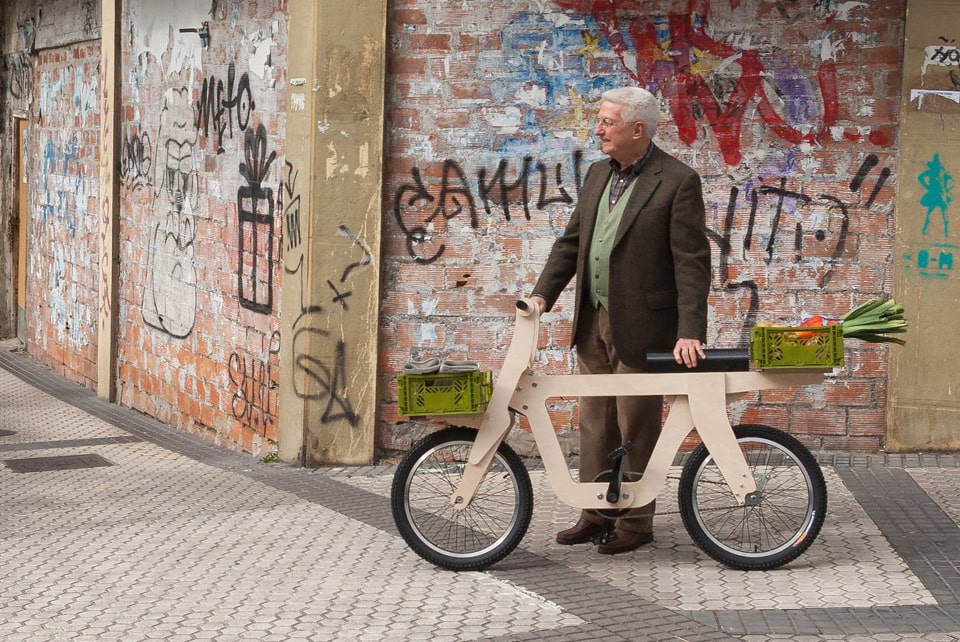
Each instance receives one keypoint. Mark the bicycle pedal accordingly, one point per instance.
(605, 534)
(622, 451)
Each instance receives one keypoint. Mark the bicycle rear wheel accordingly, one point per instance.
(769, 531)
(472, 538)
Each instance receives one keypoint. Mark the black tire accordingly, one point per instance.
(784, 521)
(462, 540)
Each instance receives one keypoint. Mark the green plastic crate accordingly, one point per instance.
(776, 347)
(459, 393)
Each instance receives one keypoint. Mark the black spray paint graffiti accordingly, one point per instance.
(945, 54)
(217, 111)
(833, 206)
(19, 66)
(322, 379)
(89, 21)
(256, 383)
(414, 207)
(325, 383)
(256, 237)
(364, 260)
(316, 378)
(136, 160)
(170, 295)
(291, 211)
(455, 196)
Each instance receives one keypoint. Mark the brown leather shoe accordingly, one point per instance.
(624, 541)
(580, 533)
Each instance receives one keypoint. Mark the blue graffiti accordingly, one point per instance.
(938, 185)
(62, 196)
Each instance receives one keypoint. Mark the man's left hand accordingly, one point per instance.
(687, 351)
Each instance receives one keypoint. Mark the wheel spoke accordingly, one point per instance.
(791, 502)
(474, 536)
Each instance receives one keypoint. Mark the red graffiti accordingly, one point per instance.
(671, 63)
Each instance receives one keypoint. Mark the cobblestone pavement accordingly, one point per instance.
(133, 531)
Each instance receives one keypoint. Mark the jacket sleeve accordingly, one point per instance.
(561, 265)
(691, 258)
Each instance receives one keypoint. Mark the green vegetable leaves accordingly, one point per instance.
(874, 321)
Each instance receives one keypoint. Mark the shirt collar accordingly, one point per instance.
(634, 168)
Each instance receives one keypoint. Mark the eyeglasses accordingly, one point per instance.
(607, 123)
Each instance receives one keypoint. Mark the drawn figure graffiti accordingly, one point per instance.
(170, 295)
(255, 269)
(938, 184)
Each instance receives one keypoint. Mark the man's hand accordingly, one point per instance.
(687, 350)
(541, 303)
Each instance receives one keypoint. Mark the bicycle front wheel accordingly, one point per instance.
(477, 536)
(775, 527)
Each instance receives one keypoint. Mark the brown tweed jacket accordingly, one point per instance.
(659, 265)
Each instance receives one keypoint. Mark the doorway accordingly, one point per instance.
(20, 224)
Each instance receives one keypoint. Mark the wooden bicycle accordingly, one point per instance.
(751, 496)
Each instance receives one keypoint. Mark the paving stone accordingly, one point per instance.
(181, 540)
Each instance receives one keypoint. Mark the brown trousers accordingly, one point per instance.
(606, 423)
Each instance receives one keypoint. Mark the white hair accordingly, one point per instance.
(638, 105)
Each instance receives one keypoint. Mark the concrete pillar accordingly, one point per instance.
(924, 405)
(332, 214)
(108, 206)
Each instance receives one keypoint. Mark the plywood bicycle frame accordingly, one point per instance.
(698, 400)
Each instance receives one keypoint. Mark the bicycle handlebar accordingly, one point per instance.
(526, 307)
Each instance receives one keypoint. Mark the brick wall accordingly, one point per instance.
(789, 112)
(63, 187)
(202, 167)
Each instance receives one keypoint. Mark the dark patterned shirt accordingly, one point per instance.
(623, 176)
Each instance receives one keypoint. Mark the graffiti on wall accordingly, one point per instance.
(708, 83)
(84, 96)
(67, 314)
(19, 69)
(256, 383)
(417, 205)
(943, 80)
(933, 256)
(170, 293)
(821, 226)
(938, 187)
(84, 101)
(63, 196)
(290, 204)
(61, 189)
(223, 107)
(136, 159)
(323, 379)
(255, 236)
(781, 224)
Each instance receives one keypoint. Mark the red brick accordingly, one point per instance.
(433, 43)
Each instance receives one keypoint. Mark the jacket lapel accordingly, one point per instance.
(591, 194)
(643, 188)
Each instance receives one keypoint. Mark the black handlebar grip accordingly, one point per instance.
(718, 360)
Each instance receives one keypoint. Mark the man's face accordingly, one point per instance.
(624, 142)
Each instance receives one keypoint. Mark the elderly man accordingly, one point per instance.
(636, 243)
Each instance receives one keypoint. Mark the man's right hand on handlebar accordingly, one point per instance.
(540, 302)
